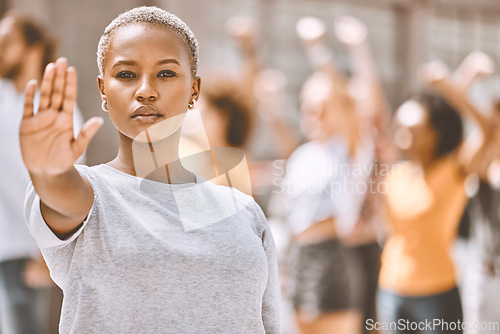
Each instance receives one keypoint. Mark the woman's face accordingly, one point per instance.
(147, 81)
(325, 112)
(414, 132)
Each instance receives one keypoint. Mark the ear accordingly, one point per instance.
(195, 88)
(100, 85)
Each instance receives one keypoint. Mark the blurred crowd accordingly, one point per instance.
(367, 203)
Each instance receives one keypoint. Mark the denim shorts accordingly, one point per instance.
(319, 278)
(444, 307)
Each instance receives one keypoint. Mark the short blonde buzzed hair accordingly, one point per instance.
(150, 15)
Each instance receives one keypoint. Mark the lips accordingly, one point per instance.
(146, 114)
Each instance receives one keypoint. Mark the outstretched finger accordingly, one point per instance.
(88, 132)
(59, 84)
(70, 91)
(46, 87)
(29, 94)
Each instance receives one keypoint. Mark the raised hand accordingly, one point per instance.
(243, 29)
(434, 73)
(480, 63)
(47, 142)
(311, 30)
(350, 30)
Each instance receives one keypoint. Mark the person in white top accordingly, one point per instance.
(25, 49)
(332, 184)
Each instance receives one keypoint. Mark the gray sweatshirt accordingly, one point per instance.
(159, 258)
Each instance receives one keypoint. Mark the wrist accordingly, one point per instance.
(50, 176)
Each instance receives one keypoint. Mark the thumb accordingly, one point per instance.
(88, 132)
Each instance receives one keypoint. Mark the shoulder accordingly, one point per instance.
(302, 150)
(106, 183)
(303, 158)
(335, 148)
(93, 174)
(87, 172)
(101, 173)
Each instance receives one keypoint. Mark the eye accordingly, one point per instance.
(125, 75)
(166, 74)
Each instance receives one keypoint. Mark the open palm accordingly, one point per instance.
(47, 142)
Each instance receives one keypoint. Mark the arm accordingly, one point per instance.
(312, 32)
(269, 92)
(353, 34)
(366, 86)
(49, 149)
(435, 74)
(243, 30)
(477, 64)
(265, 87)
(36, 274)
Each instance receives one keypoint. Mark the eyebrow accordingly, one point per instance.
(168, 61)
(161, 62)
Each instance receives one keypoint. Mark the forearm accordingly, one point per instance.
(463, 78)
(65, 199)
(458, 99)
(476, 64)
(469, 162)
(250, 62)
(365, 70)
(249, 70)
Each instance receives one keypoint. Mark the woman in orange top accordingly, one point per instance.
(425, 198)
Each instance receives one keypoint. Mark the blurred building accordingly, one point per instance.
(403, 34)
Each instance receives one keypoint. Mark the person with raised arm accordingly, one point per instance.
(140, 244)
(265, 92)
(424, 203)
(375, 156)
(334, 257)
(481, 279)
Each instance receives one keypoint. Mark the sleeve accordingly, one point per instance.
(270, 300)
(43, 235)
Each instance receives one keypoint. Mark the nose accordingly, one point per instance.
(146, 90)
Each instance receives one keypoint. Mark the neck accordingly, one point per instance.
(158, 161)
(218, 140)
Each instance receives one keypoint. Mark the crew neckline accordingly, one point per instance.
(151, 183)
